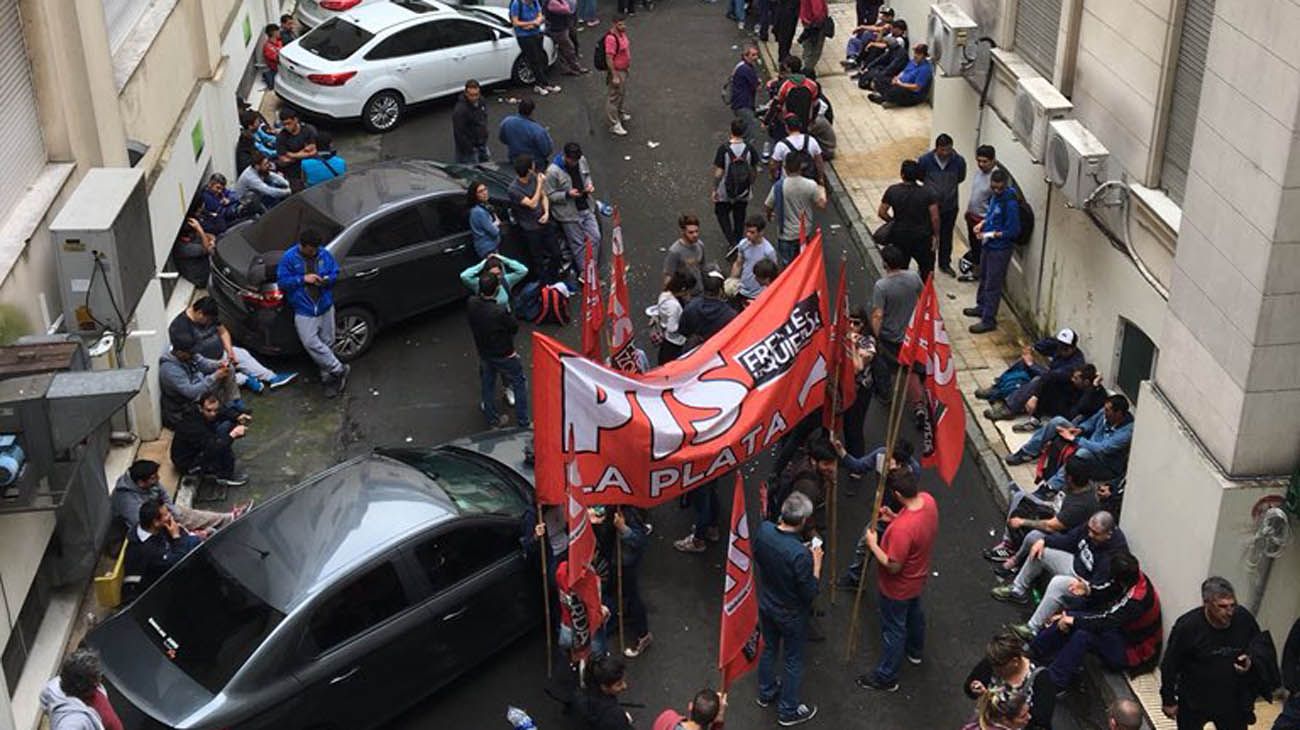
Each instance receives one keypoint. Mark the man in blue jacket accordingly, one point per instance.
(1102, 442)
(307, 274)
(944, 170)
(999, 231)
(521, 135)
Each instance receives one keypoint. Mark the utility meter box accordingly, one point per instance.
(104, 250)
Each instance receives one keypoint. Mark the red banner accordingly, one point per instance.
(622, 342)
(593, 312)
(741, 641)
(580, 607)
(643, 439)
(840, 358)
(927, 341)
(582, 541)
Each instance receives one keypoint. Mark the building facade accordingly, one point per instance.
(149, 84)
(1182, 275)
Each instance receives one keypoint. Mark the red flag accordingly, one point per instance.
(622, 341)
(741, 642)
(927, 341)
(582, 541)
(803, 231)
(593, 312)
(841, 363)
(580, 607)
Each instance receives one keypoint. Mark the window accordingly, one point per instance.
(464, 552)
(367, 601)
(22, 156)
(395, 231)
(1136, 359)
(1038, 23)
(446, 216)
(1185, 99)
(280, 226)
(452, 33)
(467, 481)
(335, 39)
(404, 43)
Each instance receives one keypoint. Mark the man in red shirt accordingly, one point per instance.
(904, 559)
(271, 54)
(618, 59)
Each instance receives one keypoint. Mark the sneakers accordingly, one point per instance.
(1017, 458)
(973, 312)
(712, 534)
(1023, 631)
(980, 328)
(510, 397)
(1028, 426)
(240, 509)
(689, 544)
(849, 63)
(999, 553)
(234, 480)
(948, 270)
(279, 380)
(618, 130)
(541, 90)
(968, 278)
(626, 117)
(986, 393)
(999, 412)
(501, 421)
(914, 660)
(554, 88)
(1006, 570)
(869, 681)
(636, 650)
(255, 385)
(802, 714)
(875, 98)
(1008, 594)
(768, 701)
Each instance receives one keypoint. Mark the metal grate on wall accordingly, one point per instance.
(22, 155)
(1193, 45)
(1038, 23)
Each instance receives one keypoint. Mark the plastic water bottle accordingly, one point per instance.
(519, 719)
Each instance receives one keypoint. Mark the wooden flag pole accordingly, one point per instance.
(832, 496)
(618, 551)
(891, 438)
(544, 547)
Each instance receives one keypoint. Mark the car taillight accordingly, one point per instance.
(337, 5)
(337, 79)
(270, 299)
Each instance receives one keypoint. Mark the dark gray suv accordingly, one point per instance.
(339, 603)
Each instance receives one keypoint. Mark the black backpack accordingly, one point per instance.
(598, 55)
(807, 166)
(799, 101)
(738, 177)
(1026, 211)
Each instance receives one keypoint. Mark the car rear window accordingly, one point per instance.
(279, 227)
(205, 620)
(335, 39)
(473, 487)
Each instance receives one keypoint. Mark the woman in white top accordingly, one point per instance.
(668, 315)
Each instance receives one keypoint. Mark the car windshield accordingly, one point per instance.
(335, 39)
(280, 226)
(205, 620)
(473, 487)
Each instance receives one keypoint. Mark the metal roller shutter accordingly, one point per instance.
(22, 150)
(1198, 18)
(1037, 24)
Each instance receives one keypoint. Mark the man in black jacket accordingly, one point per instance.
(494, 331)
(599, 704)
(153, 546)
(1290, 717)
(706, 315)
(469, 126)
(203, 440)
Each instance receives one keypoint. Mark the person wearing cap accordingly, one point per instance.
(184, 376)
(1011, 391)
(140, 484)
(912, 85)
(570, 189)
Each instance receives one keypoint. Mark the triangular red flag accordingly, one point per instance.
(582, 541)
(593, 310)
(840, 365)
(622, 340)
(926, 341)
(741, 641)
(580, 607)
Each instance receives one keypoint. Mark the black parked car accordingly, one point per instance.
(339, 603)
(400, 233)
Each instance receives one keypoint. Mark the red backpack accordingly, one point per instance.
(554, 306)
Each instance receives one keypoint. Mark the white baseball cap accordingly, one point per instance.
(1067, 336)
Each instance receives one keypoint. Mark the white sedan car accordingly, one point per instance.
(373, 62)
(312, 13)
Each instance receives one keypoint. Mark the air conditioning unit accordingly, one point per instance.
(1038, 104)
(1076, 160)
(950, 30)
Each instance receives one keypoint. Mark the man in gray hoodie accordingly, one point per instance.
(140, 484)
(569, 187)
(75, 699)
(184, 375)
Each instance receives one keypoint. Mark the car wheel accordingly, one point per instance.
(354, 333)
(522, 73)
(383, 112)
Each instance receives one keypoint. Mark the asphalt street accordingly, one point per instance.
(419, 384)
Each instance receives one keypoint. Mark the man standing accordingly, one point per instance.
(1205, 675)
(793, 200)
(494, 331)
(288, 29)
(686, 254)
(943, 170)
(893, 298)
(914, 211)
(569, 188)
(998, 231)
(735, 166)
(813, 15)
(523, 136)
(532, 212)
(526, 17)
(294, 143)
(271, 54)
(785, 19)
(981, 192)
(744, 92)
(903, 556)
(789, 573)
(469, 126)
(618, 59)
(306, 274)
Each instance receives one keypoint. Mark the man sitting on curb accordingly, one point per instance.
(184, 376)
(1023, 378)
(1029, 518)
(155, 544)
(1075, 394)
(203, 442)
(1077, 563)
(140, 484)
(1101, 442)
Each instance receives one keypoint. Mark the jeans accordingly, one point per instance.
(1020, 396)
(993, 276)
(1066, 650)
(752, 127)
(317, 336)
(786, 250)
(635, 621)
(902, 629)
(705, 502)
(867, 11)
(763, 9)
(545, 252)
(1097, 468)
(576, 234)
(731, 219)
(920, 250)
(947, 221)
(249, 367)
(785, 18)
(812, 43)
(534, 51)
(1290, 717)
(1057, 564)
(897, 95)
(1034, 446)
(782, 631)
(513, 372)
(586, 10)
(474, 155)
(737, 10)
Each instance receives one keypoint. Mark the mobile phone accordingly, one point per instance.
(815, 542)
